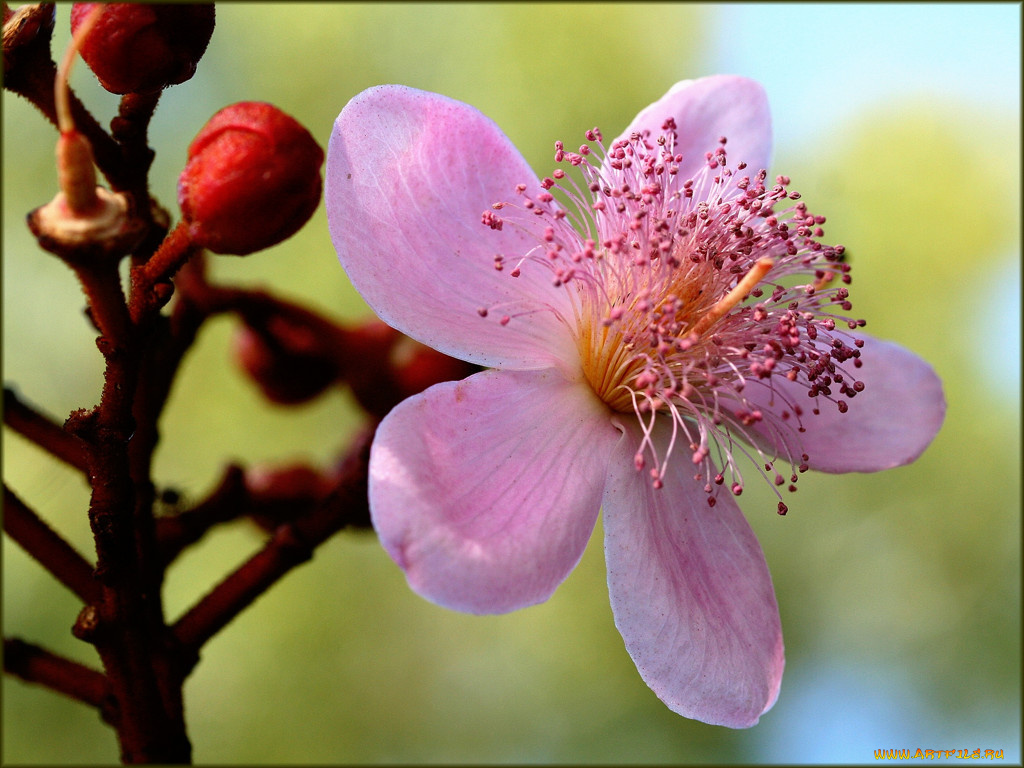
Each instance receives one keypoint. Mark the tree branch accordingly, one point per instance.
(49, 548)
(48, 435)
(38, 665)
(227, 502)
(291, 544)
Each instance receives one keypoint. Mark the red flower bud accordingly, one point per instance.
(416, 366)
(252, 179)
(136, 47)
(283, 494)
(383, 367)
(288, 368)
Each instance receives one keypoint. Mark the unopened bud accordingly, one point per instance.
(282, 494)
(252, 179)
(417, 366)
(139, 48)
(288, 368)
(384, 367)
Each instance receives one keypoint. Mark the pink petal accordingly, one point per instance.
(887, 425)
(409, 174)
(691, 593)
(705, 110)
(485, 491)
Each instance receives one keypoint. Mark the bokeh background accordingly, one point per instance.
(899, 592)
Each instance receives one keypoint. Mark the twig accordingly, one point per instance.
(291, 544)
(227, 502)
(128, 631)
(49, 548)
(38, 665)
(48, 435)
(150, 281)
(107, 308)
(129, 129)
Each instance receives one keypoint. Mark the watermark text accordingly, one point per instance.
(938, 754)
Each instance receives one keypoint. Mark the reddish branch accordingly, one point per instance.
(145, 661)
(37, 665)
(227, 502)
(45, 433)
(128, 631)
(291, 544)
(40, 541)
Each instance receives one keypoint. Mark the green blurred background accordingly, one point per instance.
(899, 592)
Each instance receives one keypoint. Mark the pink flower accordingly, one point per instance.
(647, 324)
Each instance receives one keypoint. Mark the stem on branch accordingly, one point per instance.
(130, 129)
(102, 285)
(128, 629)
(150, 281)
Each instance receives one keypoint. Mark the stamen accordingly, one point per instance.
(648, 258)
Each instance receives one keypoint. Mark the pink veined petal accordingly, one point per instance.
(887, 425)
(691, 594)
(409, 174)
(707, 109)
(485, 491)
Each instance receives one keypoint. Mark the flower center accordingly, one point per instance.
(684, 293)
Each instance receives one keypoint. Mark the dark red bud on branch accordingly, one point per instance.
(252, 179)
(282, 494)
(289, 366)
(383, 367)
(417, 366)
(138, 48)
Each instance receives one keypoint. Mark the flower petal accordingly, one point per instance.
(887, 425)
(485, 491)
(409, 174)
(691, 594)
(707, 109)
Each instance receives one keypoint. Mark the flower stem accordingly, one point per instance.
(130, 129)
(102, 285)
(226, 502)
(32, 74)
(176, 249)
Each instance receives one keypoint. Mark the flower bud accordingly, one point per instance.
(416, 366)
(252, 179)
(283, 494)
(287, 367)
(384, 367)
(137, 47)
